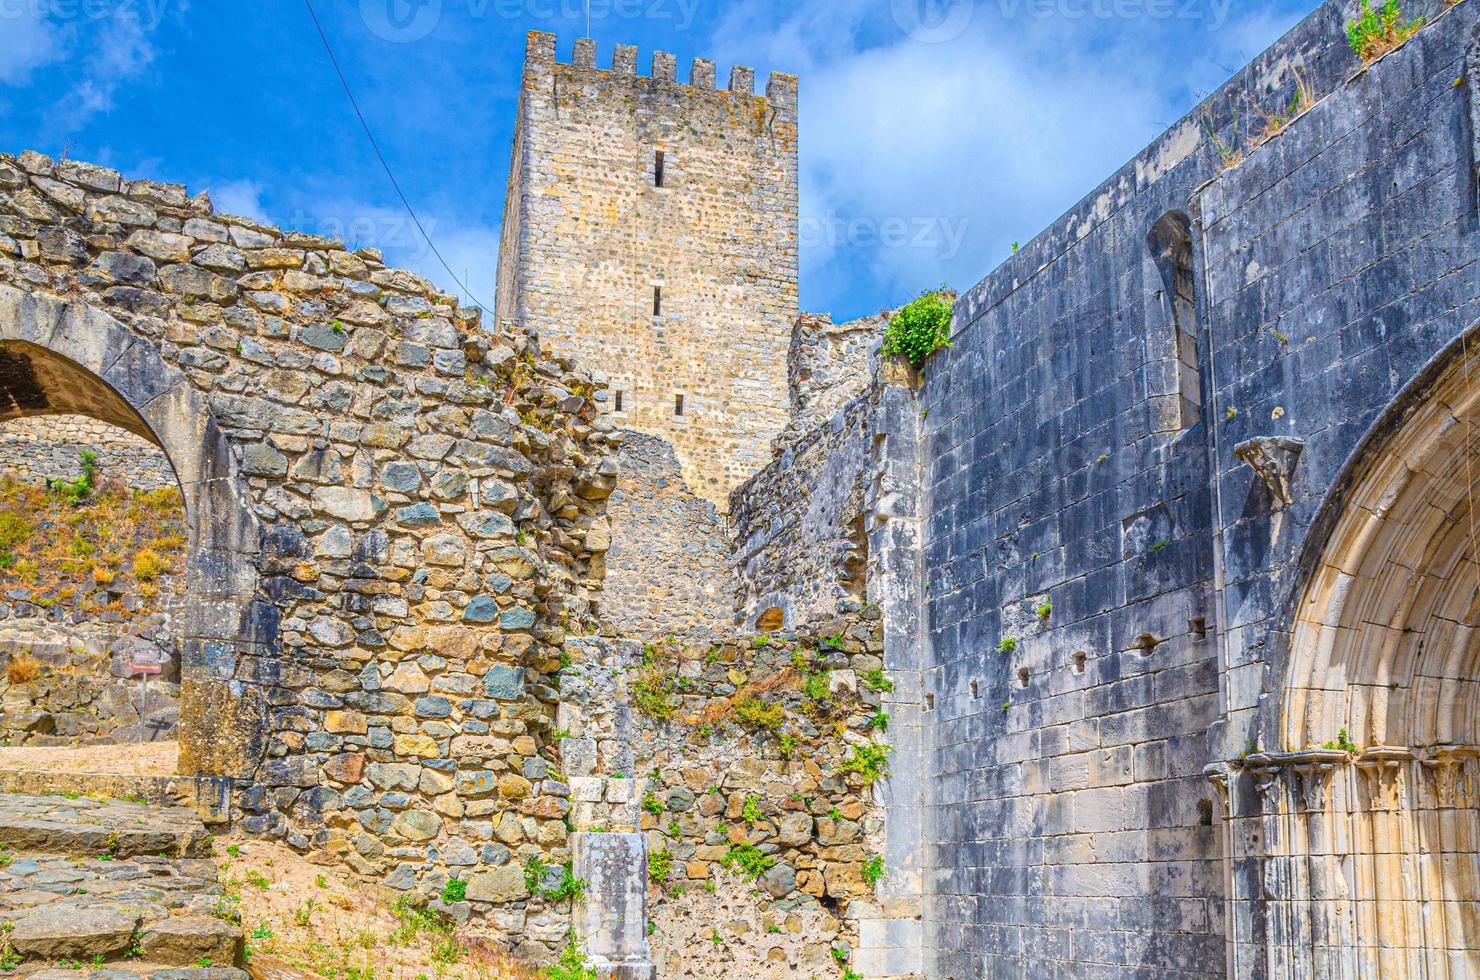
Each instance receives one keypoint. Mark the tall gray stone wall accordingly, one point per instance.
(1094, 554)
(50, 447)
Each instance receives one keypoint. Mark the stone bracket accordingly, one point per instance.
(1273, 458)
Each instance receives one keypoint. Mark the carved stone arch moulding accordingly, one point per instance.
(1371, 869)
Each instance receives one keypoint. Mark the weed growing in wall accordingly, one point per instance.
(869, 760)
(755, 713)
(571, 965)
(660, 865)
(875, 681)
(921, 328)
(747, 860)
(1374, 33)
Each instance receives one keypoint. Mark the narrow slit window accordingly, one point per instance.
(657, 301)
(658, 174)
(677, 405)
(618, 401)
(1171, 247)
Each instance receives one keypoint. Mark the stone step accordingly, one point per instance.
(85, 827)
(185, 940)
(125, 971)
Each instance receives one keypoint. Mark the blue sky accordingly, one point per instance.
(934, 132)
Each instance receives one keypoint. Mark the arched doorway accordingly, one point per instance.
(1377, 866)
(61, 357)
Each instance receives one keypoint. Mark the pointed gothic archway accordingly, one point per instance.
(1370, 800)
(59, 357)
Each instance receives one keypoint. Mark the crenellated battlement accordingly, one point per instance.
(541, 59)
(648, 219)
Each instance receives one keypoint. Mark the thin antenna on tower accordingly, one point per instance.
(588, 18)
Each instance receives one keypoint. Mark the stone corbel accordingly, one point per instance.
(1309, 772)
(1273, 458)
(1445, 765)
(1217, 774)
(1382, 765)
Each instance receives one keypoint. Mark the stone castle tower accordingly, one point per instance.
(650, 230)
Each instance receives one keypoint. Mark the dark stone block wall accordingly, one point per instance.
(1079, 466)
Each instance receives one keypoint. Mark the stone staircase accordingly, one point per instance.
(120, 889)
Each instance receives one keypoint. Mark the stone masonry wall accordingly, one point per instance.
(667, 571)
(1071, 548)
(799, 528)
(1341, 260)
(589, 236)
(417, 508)
(71, 686)
(757, 860)
(828, 365)
(51, 447)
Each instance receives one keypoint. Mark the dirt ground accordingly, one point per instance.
(304, 920)
(147, 759)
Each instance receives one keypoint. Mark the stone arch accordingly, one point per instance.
(67, 357)
(1384, 648)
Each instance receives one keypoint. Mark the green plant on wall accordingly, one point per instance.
(870, 760)
(921, 328)
(1376, 32)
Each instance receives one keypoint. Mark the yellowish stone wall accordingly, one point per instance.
(589, 236)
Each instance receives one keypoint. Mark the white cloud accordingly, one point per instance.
(239, 197)
(122, 49)
(965, 146)
(27, 42)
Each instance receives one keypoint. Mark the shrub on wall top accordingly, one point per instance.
(921, 328)
(1375, 33)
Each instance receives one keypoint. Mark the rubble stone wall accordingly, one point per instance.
(757, 859)
(50, 448)
(394, 515)
(828, 365)
(667, 573)
(798, 528)
(76, 685)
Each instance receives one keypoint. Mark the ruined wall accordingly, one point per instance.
(757, 863)
(666, 571)
(71, 686)
(827, 366)
(389, 515)
(589, 237)
(51, 448)
(1072, 550)
(799, 543)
